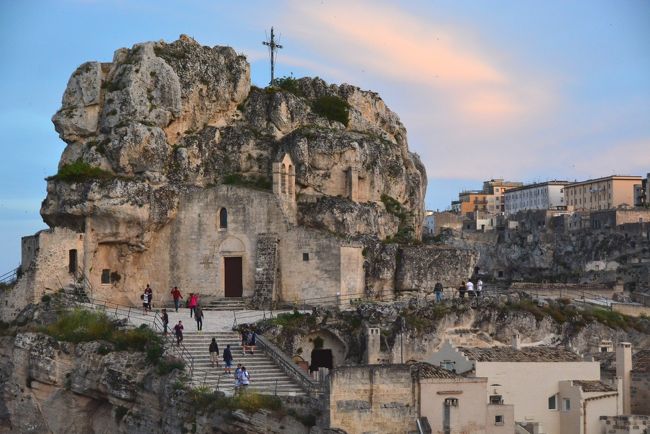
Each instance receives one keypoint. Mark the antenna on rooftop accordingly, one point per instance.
(273, 48)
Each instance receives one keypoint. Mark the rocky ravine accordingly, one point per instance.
(162, 118)
(425, 326)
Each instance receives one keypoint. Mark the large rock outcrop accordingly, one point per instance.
(163, 117)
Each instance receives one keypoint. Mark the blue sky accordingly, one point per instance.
(520, 90)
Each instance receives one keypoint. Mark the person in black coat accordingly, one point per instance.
(214, 352)
(227, 359)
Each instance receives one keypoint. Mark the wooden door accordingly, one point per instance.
(233, 276)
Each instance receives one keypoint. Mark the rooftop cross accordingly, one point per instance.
(273, 48)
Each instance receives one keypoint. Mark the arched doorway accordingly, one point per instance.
(232, 251)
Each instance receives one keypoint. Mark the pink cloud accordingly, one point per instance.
(388, 42)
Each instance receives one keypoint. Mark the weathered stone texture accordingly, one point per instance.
(48, 386)
(420, 267)
(374, 399)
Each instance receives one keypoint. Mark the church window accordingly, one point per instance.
(305, 256)
(223, 218)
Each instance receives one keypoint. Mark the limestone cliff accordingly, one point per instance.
(164, 117)
(415, 328)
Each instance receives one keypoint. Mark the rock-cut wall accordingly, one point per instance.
(162, 117)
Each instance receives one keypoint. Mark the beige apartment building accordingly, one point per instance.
(404, 398)
(547, 386)
(602, 193)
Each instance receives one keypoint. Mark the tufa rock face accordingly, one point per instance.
(161, 118)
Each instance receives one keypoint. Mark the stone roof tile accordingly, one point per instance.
(594, 386)
(525, 354)
(427, 370)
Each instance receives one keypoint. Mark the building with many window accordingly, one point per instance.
(545, 195)
(602, 193)
(568, 398)
(642, 192)
(495, 190)
(472, 201)
(488, 200)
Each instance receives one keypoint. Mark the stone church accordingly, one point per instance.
(178, 172)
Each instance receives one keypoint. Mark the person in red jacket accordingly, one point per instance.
(176, 294)
(192, 303)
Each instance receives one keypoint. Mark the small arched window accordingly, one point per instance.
(223, 218)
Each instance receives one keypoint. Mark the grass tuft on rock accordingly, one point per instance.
(85, 326)
(259, 182)
(80, 171)
(288, 84)
(205, 400)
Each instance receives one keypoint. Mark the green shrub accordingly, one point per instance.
(405, 231)
(84, 326)
(610, 318)
(250, 402)
(168, 365)
(80, 171)
(288, 84)
(332, 108)
(259, 182)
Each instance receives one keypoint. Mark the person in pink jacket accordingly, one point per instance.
(192, 302)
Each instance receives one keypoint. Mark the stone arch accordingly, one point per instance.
(231, 246)
(331, 341)
(284, 178)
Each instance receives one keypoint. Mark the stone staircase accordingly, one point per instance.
(230, 303)
(266, 269)
(76, 292)
(266, 376)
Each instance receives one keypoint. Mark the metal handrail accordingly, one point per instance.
(9, 276)
(288, 366)
(134, 312)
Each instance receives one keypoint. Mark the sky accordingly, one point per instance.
(526, 91)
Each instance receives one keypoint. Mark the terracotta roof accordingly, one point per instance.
(594, 386)
(525, 354)
(641, 361)
(427, 370)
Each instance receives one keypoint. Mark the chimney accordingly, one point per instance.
(516, 341)
(373, 349)
(623, 371)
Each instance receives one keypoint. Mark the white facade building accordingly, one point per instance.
(429, 227)
(553, 390)
(545, 195)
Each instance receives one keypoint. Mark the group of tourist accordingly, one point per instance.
(465, 288)
(242, 376)
(248, 338)
(469, 289)
(147, 297)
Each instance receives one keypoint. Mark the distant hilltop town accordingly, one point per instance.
(490, 207)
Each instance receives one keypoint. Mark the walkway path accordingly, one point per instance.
(213, 321)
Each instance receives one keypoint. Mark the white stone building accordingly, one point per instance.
(429, 227)
(550, 388)
(545, 195)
